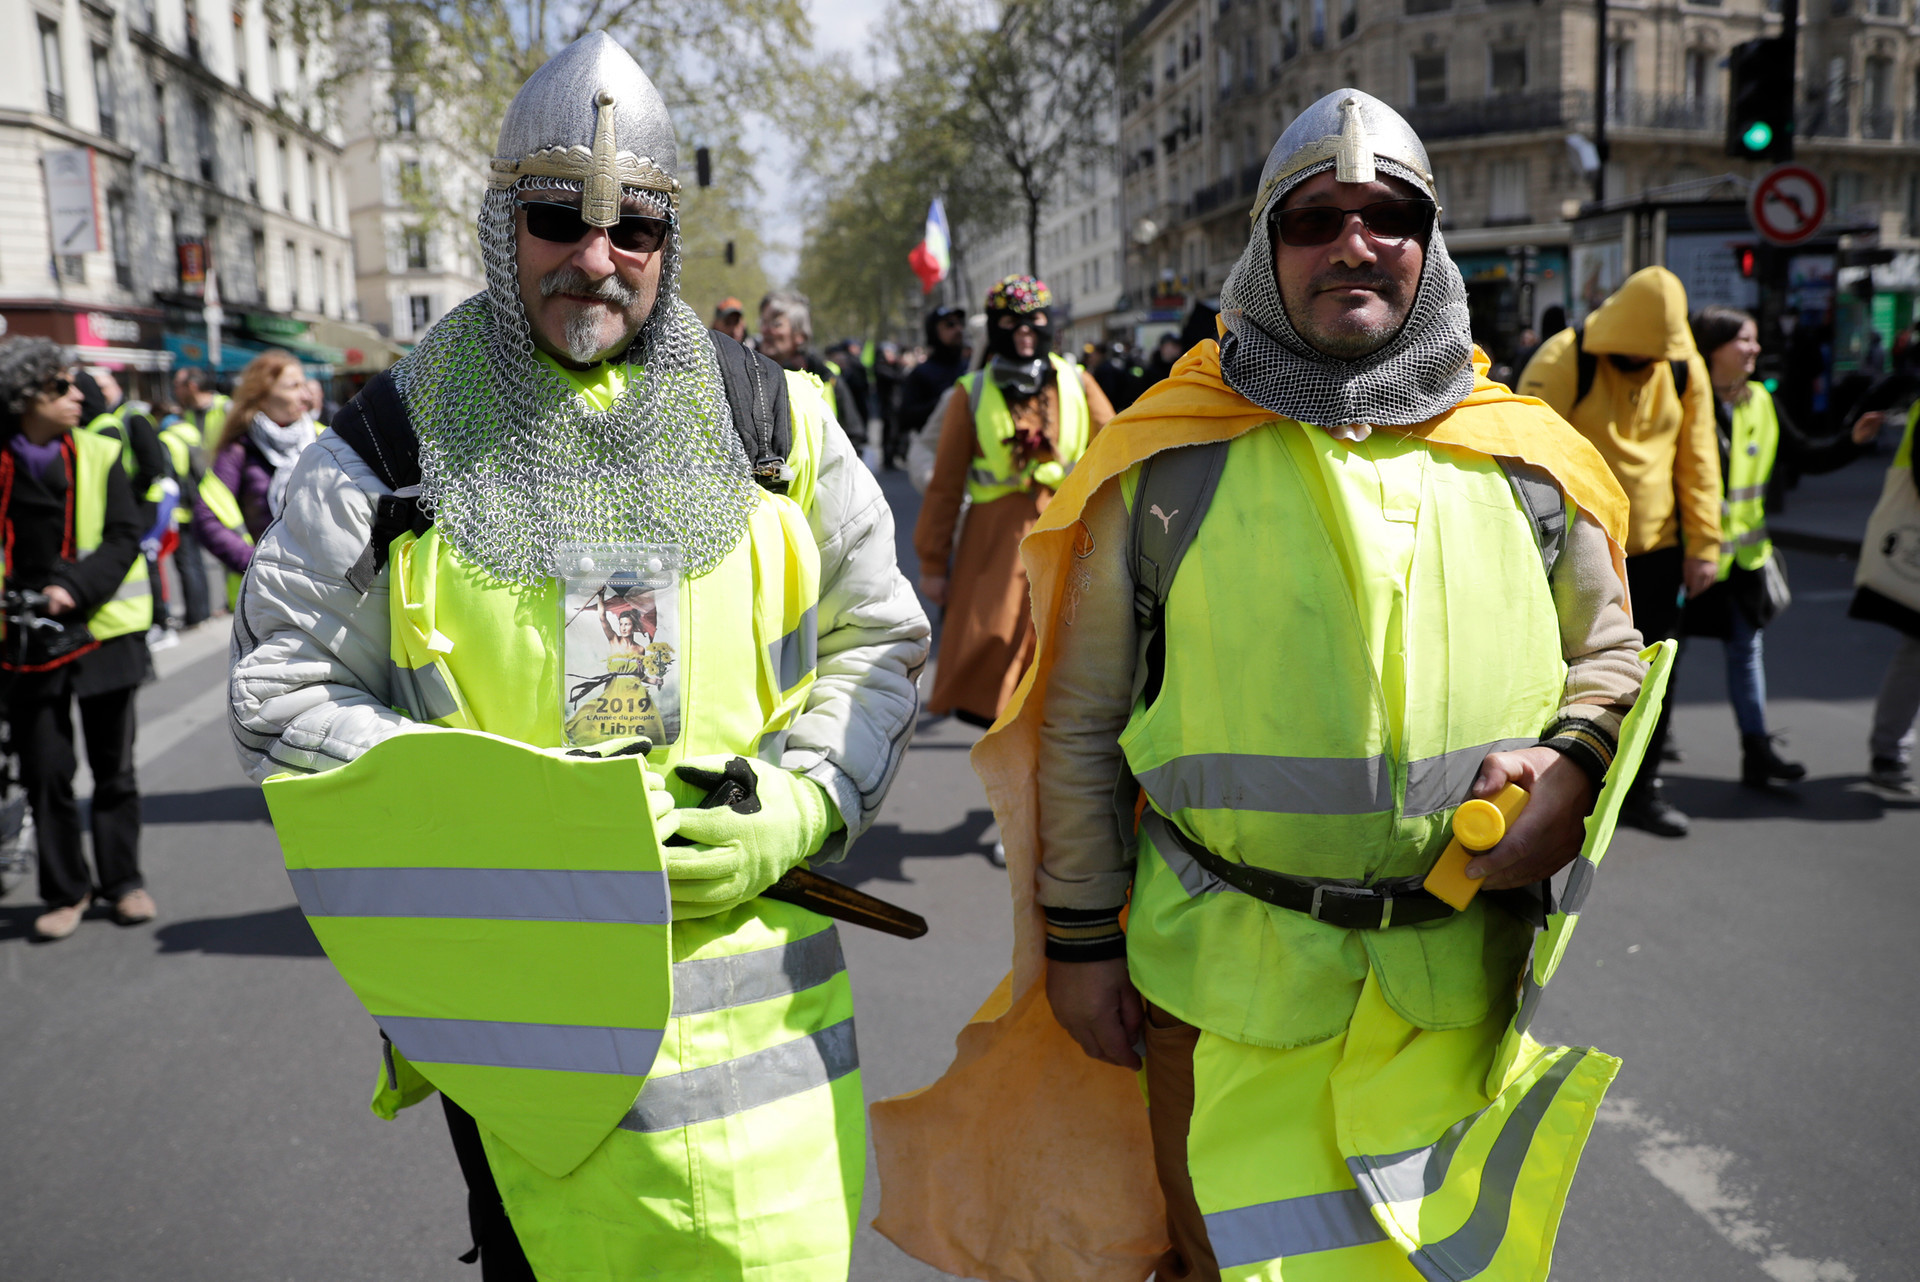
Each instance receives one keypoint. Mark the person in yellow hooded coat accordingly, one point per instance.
(1631, 381)
(1297, 604)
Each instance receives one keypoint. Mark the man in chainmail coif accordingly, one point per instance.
(576, 522)
(1295, 606)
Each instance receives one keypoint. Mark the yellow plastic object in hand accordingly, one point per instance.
(1477, 826)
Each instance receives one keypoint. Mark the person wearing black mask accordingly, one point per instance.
(72, 531)
(1011, 434)
(946, 361)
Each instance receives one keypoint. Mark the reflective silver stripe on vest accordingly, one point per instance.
(1292, 1226)
(1470, 1249)
(1579, 882)
(503, 894)
(562, 1048)
(1194, 879)
(797, 653)
(736, 1085)
(1746, 492)
(715, 983)
(133, 589)
(1315, 785)
(1758, 534)
(422, 692)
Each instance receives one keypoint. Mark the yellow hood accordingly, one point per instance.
(1646, 317)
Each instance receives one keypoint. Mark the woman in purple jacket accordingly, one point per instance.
(265, 431)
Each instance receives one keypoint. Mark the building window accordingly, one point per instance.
(412, 186)
(1428, 6)
(1886, 8)
(103, 92)
(1289, 29)
(403, 117)
(1876, 99)
(117, 233)
(1317, 36)
(1349, 17)
(1619, 78)
(312, 176)
(319, 281)
(203, 138)
(282, 175)
(1699, 71)
(1849, 186)
(50, 69)
(292, 258)
(249, 161)
(1913, 204)
(259, 248)
(419, 307)
(416, 243)
(273, 71)
(1429, 79)
(240, 46)
(1506, 71)
(163, 149)
(1507, 192)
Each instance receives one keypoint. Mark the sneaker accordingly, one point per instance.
(999, 855)
(58, 923)
(1893, 779)
(1649, 811)
(133, 908)
(159, 638)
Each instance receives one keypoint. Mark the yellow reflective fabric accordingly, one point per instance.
(745, 1154)
(993, 475)
(1890, 550)
(1743, 512)
(477, 922)
(131, 608)
(226, 510)
(1327, 723)
(1395, 1152)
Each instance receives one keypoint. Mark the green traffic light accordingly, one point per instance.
(1759, 136)
(1771, 384)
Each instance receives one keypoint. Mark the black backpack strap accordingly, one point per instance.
(375, 424)
(1176, 488)
(1680, 369)
(1545, 506)
(756, 390)
(1586, 364)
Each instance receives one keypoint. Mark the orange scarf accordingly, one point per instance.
(1027, 1160)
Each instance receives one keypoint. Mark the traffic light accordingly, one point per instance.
(1760, 99)
(703, 166)
(1746, 255)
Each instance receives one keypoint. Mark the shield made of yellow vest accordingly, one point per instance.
(503, 914)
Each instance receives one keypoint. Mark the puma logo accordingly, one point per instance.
(1166, 518)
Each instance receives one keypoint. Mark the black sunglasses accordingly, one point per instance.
(563, 225)
(56, 388)
(1384, 220)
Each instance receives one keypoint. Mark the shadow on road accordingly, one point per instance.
(1830, 799)
(282, 932)
(878, 855)
(16, 920)
(235, 805)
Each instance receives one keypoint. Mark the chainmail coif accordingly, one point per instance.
(514, 462)
(1424, 371)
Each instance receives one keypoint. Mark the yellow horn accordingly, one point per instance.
(1353, 162)
(600, 200)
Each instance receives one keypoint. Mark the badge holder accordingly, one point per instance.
(620, 632)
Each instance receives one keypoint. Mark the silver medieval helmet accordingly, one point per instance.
(1426, 368)
(514, 462)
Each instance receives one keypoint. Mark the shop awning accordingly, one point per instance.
(362, 348)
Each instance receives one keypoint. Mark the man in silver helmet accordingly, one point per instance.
(1305, 598)
(575, 520)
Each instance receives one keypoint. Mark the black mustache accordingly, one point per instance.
(1338, 278)
(571, 280)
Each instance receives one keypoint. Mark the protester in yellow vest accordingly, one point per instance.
(72, 532)
(1630, 380)
(1754, 432)
(202, 421)
(1295, 606)
(547, 529)
(1887, 590)
(1013, 432)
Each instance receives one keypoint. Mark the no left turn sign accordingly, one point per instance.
(1788, 205)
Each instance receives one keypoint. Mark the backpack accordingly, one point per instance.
(1586, 365)
(376, 425)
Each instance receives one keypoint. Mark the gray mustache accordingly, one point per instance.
(571, 280)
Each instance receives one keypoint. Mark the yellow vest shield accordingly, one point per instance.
(503, 914)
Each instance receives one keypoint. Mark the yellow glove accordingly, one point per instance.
(766, 821)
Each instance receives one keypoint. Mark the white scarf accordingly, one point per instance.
(281, 444)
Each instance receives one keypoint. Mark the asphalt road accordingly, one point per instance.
(187, 1099)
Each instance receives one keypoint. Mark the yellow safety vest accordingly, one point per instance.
(186, 440)
(1326, 725)
(1890, 550)
(993, 475)
(1743, 510)
(744, 1151)
(226, 510)
(131, 609)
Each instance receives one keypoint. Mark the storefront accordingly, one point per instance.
(1511, 290)
(126, 340)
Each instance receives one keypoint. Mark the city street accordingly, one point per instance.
(188, 1099)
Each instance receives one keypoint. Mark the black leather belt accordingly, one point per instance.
(1346, 904)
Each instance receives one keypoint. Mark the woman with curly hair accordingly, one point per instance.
(72, 533)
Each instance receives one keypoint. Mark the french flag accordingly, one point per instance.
(930, 259)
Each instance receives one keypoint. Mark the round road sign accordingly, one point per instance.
(1788, 205)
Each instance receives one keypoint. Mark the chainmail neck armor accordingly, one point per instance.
(1427, 367)
(514, 461)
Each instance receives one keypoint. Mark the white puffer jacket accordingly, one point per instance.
(310, 654)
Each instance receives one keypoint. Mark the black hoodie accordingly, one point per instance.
(927, 380)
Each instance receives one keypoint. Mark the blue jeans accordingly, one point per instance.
(1746, 673)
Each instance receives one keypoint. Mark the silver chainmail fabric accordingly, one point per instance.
(514, 462)
(1426, 370)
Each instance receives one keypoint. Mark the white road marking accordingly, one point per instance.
(1702, 1177)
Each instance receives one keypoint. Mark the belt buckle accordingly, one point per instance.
(1351, 895)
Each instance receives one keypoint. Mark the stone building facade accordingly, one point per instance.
(1495, 88)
